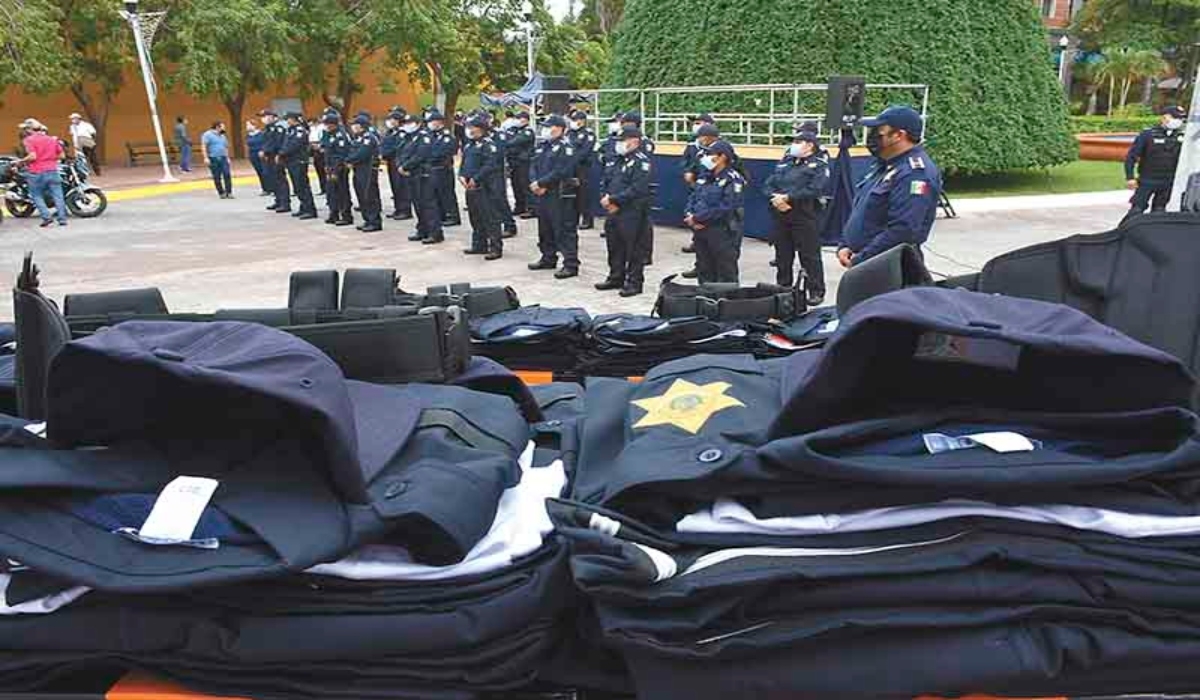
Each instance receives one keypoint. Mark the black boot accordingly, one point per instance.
(543, 264)
(609, 284)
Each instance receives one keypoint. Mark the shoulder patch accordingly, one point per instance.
(427, 140)
(814, 165)
(919, 188)
(646, 166)
(916, 163)
(570, 151)
(737, 187)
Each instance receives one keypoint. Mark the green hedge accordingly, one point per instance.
(995, 103)
(1110, 125)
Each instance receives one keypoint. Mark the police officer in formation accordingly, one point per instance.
(295, 153)
(583, 140)
(896, 203)
(410, 128)
(519, 152)
(276, 134)
(553, 165)
(336, 146)
(796, 188)
(391, 144)
(714, 213)
(481, 161)
(634, 118)
(1155, 156)
(364, 159)
(267, 117)
(626, 196)
(416, 163)
(706, 133)
(499, 188)
(443, 147)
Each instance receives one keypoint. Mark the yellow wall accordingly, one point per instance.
(129, 117)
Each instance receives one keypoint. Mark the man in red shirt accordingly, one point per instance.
(43, 155)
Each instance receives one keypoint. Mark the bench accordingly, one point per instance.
(139, 151)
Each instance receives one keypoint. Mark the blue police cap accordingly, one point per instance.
(412, 119)
(1175, 111)
(146, 379)
(709, 130)
(267, 112)
(435, 116)
(397, 114)
(478, 121)
(899, 117)
(809, 136)
(634, 117)
(721, 148)
(293, 115)
(331, 118)
(703, 117)
(631, 132)
(554, 120)
(363, 120)
(578, 114)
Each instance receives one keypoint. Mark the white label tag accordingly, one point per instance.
(38, 429)
(987, 352)
(178, 509)
(1002, 442)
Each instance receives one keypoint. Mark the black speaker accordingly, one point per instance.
(847, 94)
(556, 104)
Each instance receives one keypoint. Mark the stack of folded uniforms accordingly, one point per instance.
(532, 337)
(960, 494)
(215, 503)
(624, 345)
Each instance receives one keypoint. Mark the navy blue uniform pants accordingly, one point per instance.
(485, 225)
(299, 173)
(429, 213)
(796, 232)
(283, 194)
(337, 189)
(557, 234)
(718, 248)
(1151, 195)
(366, 188)
(624, 234)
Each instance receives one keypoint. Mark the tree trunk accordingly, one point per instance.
(1112, 91)
(234, 106)
(1093, 103)
(1126, 86)
(452, 95)
(1148, 92)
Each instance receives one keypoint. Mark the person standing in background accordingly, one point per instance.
(254, 142)
(83, 139)
(42, 155)
(184, 143)
(214, 146)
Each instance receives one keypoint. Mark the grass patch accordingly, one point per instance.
(1079, 176)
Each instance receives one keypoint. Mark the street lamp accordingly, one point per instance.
(1064, 61)
(530, 54)
(130, 14)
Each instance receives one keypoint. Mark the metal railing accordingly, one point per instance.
(667, 112)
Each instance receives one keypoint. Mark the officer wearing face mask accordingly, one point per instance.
(519, 150)
(389, 151)
(795, 189)
(646, 241)
(553, 163)
(1155, 155)
(416, 163)
(364, 159)
(499, 191)
(480, 162)
(626, 198)
(713, 213)
(442, 150)
(897, 202)
(583, 140)
(704, 131)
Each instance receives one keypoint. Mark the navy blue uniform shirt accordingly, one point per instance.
(481, 160)
(553, 161)
(895, 204)
(717, 197)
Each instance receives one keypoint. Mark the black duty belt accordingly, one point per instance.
(728, 302)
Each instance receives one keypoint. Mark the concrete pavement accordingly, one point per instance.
(206, 253)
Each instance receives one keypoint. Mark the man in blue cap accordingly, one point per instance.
(1155, 155)
(626, 198)
(389, 149)
(480, 162)
(336, 146)
(714, 212)
(364, 158)
(443, 146)
(646, 240)
(416, 164)
(518, 151)
(584, 141)
(553, 163)
(295, 153)
(897, 202)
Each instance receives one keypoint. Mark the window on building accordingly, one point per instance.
(1048, 8)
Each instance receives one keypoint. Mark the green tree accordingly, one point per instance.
(473, 47)
(566, 49)
(1170, 26)
(229, 48)
(995, 100)
(31, 50)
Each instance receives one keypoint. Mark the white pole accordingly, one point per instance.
(1189, 159)
(136, 23)
(530, 56)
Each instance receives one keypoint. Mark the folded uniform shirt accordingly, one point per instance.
(532, 337)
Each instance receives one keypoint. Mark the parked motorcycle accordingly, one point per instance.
(83, 199)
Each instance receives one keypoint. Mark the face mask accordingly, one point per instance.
(436, 127)
(547, 134)
(577, 125)
(709, 162)
(874, 142)
(410, 128)
(389, 124)
(614, 128)
(621, 148)
(696, 129)
(1174, 124)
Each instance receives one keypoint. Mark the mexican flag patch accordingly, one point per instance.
(919, 188)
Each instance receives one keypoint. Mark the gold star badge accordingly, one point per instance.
(686, 405)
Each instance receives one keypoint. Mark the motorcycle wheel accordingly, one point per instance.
(20, 209)
(87, 204)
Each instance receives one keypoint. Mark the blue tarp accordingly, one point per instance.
(521, 98)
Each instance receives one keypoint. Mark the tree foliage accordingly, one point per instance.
(1168, 26)
(31, 48)
(995, 102)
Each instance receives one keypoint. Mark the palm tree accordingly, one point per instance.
(1117, 67)
(1145, 65)
(1091, 75)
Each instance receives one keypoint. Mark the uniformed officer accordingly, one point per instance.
(443, 147)
(295, 153)
(267, 116)
(416, 162)
(704, 132)
(364, 158)
(480, 161)
(1155, 155)
(316, 131)
(634, 118)
(553, 163)
(518, 152)
(626, 197)
(273, 160)
(390, 147)
(336, 145)
(897, 202)
(606, 153)
(583, 139)
(714, 212)
(499, 189)
(795, 189)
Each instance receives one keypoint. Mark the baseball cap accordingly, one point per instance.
(635, 117)
(554, 120)
(721, 148)
(331, 118)
(412, 119)
(180, 380)
(267, 112)
(522, 114)
(362, 119)
(293, 115)
(631, 132)
(703, 117)
(478, 121)
(708, 130)
(75, 115)
(1175, 111)
(578, 114)
(809, 136)
(899, 117)
(435, 116)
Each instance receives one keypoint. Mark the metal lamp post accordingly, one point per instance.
(1064, 62)
(135, 22)
(530, 52)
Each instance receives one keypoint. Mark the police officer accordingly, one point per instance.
(1155, 155)
(634, 118)
(499, 190)
(553, 163)
(336, 145)
(704, 132)
(519, 151)
(364, 158)
(316, 131)
(795, 189)
(389, 149)
(897, 201)
(713, 213)
(626, 197)
(480, 162)
(273, 161)
(266, 116)
(295, 156)
(416, 163)
(443, 147)
(583, 139)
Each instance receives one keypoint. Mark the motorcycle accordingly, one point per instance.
(83, 199)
